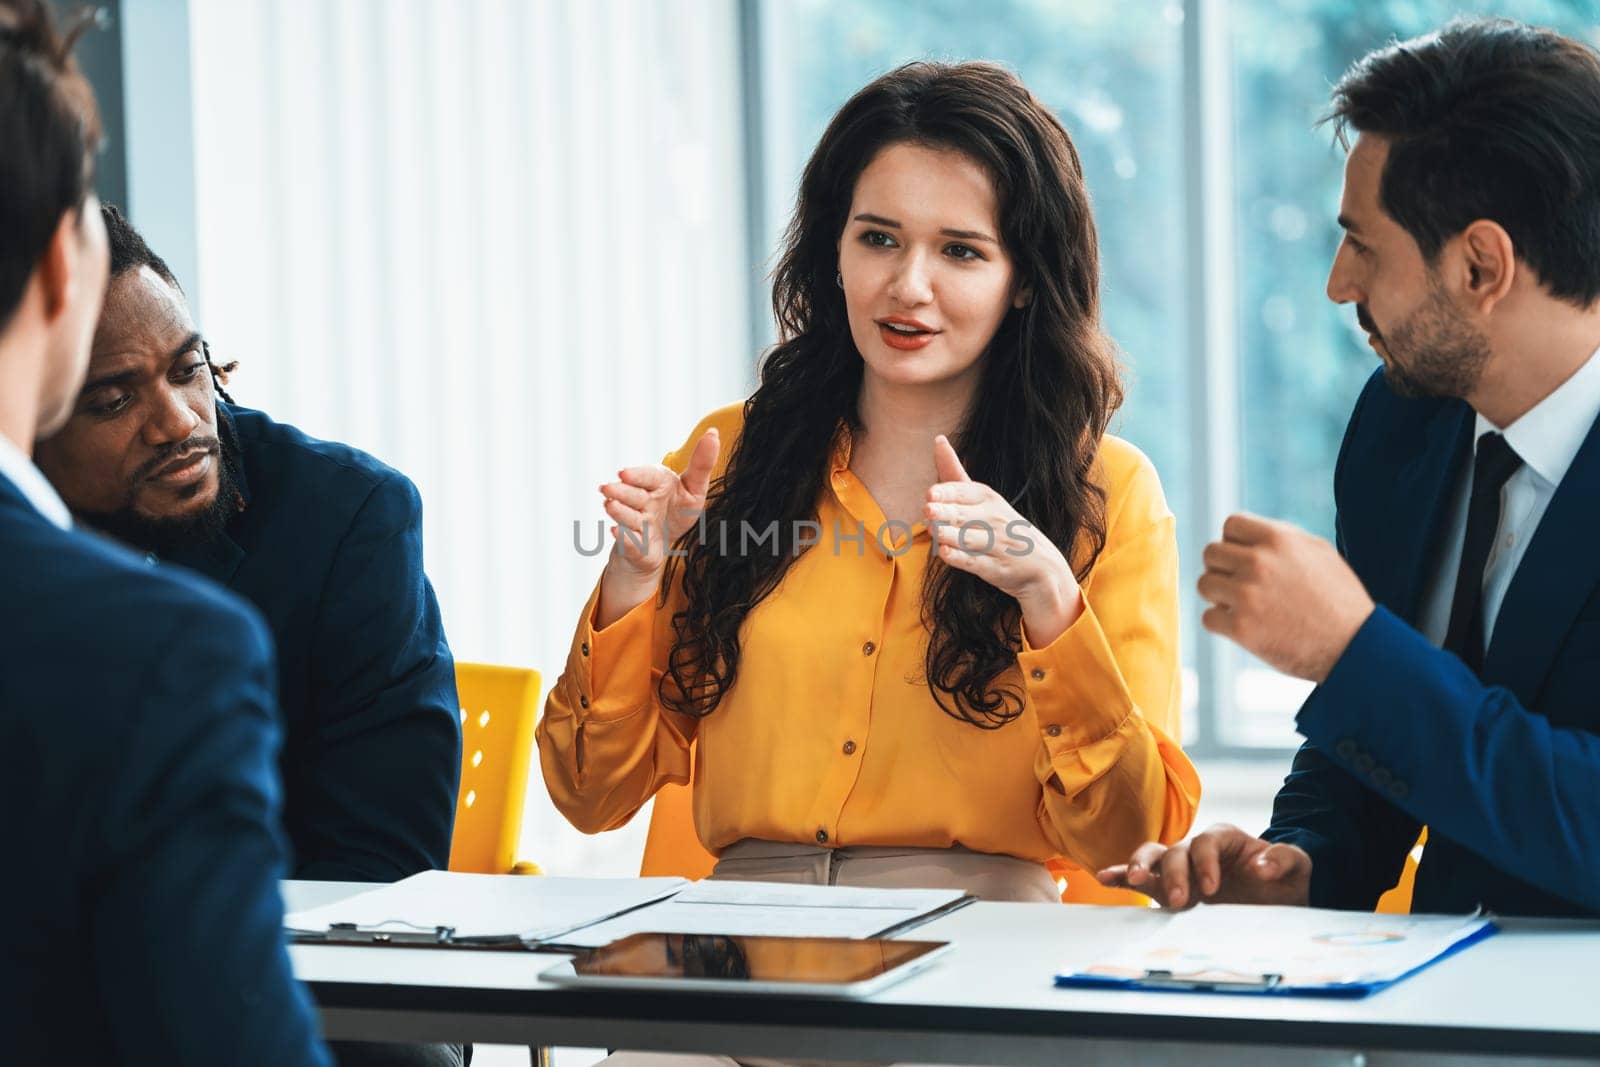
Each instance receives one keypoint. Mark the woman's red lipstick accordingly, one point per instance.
(905, 334)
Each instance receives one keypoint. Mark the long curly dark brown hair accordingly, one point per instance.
(1049, 385)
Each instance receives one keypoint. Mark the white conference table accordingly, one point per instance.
(1526, 994)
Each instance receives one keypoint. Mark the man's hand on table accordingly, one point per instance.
(1223, 865)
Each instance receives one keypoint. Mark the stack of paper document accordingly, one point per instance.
(1237, 948)
(755, 908)
(441, 907)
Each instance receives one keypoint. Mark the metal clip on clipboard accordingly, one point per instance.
(1211, 981)
(352, 934)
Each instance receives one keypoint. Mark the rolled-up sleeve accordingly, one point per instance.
(606, 744)
(1106, 696)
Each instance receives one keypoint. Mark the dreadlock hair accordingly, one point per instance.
(1049, 385)
(130, 252)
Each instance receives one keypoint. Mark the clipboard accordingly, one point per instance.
(443, 909)
(1281, 951)
(401, 934)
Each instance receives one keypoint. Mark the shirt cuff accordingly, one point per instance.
(1074, 685)
(613, 664)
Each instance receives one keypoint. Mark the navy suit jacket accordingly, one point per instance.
(137, 738)
(328, 545)
(1504, 770)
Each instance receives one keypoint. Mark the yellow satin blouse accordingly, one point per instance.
(830, 736)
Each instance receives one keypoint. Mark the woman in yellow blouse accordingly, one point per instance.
(913, 607)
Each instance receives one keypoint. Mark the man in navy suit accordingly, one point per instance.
(325, 540)
(137, 726)
(1454, 634)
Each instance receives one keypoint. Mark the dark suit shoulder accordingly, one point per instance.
(1386, 431)
(280, 447)
(119, 669)
(97, 623)
(1383, 414)
(291, 473)
(103, 600)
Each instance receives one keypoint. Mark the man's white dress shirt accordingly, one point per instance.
(35, 488)
(1547, 439)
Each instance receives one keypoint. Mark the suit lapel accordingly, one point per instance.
(1556, 576)
(1407, 529)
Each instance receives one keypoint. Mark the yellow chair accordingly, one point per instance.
(671, 847)
(1397, 901)
(499, 706)
(1082, 887)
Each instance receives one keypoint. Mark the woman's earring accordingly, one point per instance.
(838, 277)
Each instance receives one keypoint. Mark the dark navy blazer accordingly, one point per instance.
(328, 545)
(1504, 771)
(137, 737)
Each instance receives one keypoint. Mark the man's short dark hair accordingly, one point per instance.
(49, 133)
(1489, 119)
(128, 248)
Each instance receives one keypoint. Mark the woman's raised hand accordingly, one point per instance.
(978, 531)
(651, 508)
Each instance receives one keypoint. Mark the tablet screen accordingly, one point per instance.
(824, 960)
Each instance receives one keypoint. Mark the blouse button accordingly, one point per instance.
(583, 702)
(585, 648)
(868, 649)
(1053, 730)
(822, 837)
(1038, 674)
(849, 748)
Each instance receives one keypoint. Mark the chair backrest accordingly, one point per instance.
(1082, 887)
(671, 847)
(499, 706)
(1397, 901)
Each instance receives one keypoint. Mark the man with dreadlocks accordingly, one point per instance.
(137, 724)
(324, 539)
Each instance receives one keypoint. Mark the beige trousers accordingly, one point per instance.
(985, 876)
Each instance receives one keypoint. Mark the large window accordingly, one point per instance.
(1162, 98)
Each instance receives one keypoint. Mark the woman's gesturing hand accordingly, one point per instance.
(652, 507)
(978, 531)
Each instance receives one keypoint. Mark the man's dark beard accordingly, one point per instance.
(1435, 353)
(164, 535)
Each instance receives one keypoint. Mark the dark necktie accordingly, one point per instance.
(1495, 462)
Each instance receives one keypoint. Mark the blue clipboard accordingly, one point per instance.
(1221, 981)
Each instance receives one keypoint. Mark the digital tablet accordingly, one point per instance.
(807, 966)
